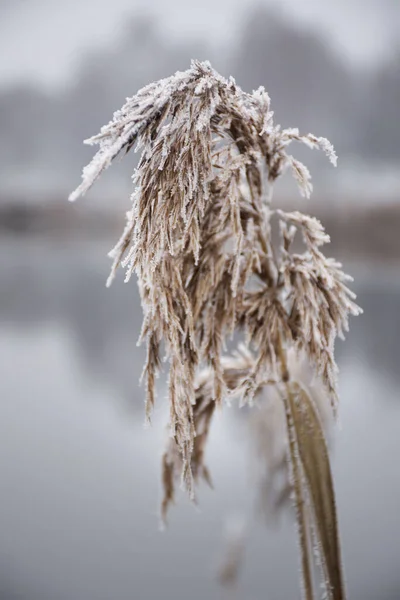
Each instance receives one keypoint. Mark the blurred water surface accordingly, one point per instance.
(79, 475)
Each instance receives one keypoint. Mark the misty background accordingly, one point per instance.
(79, 476)
(66, 67)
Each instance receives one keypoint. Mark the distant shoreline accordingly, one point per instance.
(357, 233)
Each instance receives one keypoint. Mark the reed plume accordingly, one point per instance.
(198, 238)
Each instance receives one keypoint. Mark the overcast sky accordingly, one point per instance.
(42, 40)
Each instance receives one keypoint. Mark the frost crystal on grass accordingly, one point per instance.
(198, 238)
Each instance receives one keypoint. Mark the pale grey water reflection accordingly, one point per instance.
(79, 476)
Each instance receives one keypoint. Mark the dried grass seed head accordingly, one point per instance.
(198, 238)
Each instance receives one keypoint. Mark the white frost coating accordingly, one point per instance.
(302, 176)
(312, 228)
(199, 239)
(129, 122)
(210, 154)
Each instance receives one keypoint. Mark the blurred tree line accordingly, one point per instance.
(41, 133)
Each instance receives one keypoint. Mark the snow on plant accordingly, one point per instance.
(198, 238)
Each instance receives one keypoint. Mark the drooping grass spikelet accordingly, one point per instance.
(198, 238)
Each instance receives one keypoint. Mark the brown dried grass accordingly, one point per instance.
(198, 237)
